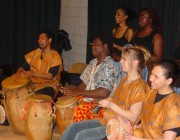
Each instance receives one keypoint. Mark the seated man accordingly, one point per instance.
(42, 65)
(99, 80)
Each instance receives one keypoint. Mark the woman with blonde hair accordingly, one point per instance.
(132, 91)
(160, 118)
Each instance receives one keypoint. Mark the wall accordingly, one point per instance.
(74, 20)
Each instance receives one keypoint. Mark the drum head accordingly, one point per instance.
(118, 127)
(40, 98)
(14, 82)
(66, 101)
(2, 115)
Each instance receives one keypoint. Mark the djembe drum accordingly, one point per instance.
(16, 90)
(38, 119)
(118, 127)
(64, 112)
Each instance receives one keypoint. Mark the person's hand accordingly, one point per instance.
(28, 74)
(68, 91)
(114, 45)
(105, 103)
(20, 74)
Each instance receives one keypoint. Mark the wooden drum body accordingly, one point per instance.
(38, 120)
(64, 112)
(118, 127)
(16, 91)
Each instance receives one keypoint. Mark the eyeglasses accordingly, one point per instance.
(90, 44)
(94, 44)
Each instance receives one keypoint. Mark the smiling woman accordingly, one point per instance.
(126, 100)
(122, 34)
(161, 108)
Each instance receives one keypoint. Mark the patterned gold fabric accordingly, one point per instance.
(128, 94)
(160, 116)
(105, 75)
(39, 65)
(84, 111)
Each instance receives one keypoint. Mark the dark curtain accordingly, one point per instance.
(21, 22)
(101, 20)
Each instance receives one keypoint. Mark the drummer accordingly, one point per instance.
(125, 102)
(98, 80)
(160, 117)
(42, 65)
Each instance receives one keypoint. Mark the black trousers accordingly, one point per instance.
(46, 91)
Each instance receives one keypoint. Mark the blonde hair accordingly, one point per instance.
(139, 53)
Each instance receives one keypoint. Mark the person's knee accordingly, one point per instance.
(71, 127)
(67, 133)
(80, 135)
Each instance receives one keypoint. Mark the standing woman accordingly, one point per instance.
(160, 117)
(149, 34)
(122, 33)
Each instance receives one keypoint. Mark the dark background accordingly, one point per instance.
(101, 19)
(22, 20)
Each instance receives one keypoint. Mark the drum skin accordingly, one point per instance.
(16, 91)
(2, 115)
(38, 120)
(118, 127)
(64, 112)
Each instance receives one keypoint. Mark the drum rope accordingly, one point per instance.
(121, 125)
(62, 112)
(119, 129)
(16, 92)
(24, 110)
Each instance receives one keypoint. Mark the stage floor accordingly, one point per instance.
(6, 133)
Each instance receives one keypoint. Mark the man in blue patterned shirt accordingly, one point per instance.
(99, 79)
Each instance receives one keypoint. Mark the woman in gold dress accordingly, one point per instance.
(160, 117)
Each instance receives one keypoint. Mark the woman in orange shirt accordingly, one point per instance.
(160, 117)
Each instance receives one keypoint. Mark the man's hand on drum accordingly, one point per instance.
(68, 91)
(105, 103)
(28, 74)
(21, 74)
